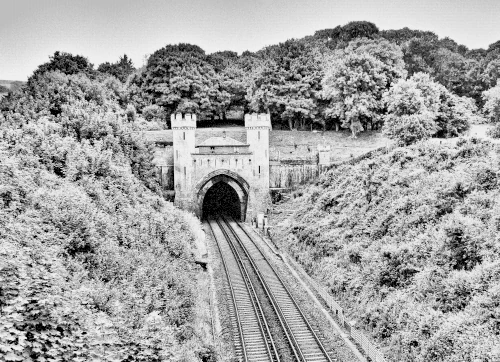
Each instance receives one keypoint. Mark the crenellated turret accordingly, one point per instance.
(184, 136)
(254, 120)
(179, 122)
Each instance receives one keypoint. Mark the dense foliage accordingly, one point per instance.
(121, 69)
(409, 242)
(94, 264)
(492, 109)
(334, 78)
(180, 78)
(418, 108)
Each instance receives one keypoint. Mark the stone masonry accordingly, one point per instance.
(243, 166)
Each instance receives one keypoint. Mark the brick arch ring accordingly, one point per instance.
(238, 183)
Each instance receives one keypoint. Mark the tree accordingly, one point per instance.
(402, 36)
(355, 80)
(340, 36)
(410, 114)
(121, 69)
(235, 76)
(492, 109)
(180, 78)
(287, 83)
(492, 103)
(66, 63)
(419, 108)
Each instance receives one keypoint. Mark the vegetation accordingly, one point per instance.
(335, 78)
(121, 69)
(94, 264)
(408, 241)
(419, 108)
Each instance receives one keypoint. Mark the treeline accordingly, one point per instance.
(334, 78)
(341, 77)
(409, 243)
(94, 263)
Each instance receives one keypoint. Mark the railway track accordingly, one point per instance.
(239, 253)
(253, 341)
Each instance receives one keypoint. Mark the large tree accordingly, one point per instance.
(66, 63)
(355, 80)
(287, 83)
(419, 108)
(180, 78)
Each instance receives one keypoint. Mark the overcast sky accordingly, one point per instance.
(102, 30)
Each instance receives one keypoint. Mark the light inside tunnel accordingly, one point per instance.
(221, 199)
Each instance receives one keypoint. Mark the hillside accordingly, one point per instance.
(408, 242)
(94, 263)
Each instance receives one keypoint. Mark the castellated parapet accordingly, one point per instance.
(254, 120)
(324, 148)
(179, 122)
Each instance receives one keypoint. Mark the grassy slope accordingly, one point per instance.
(408, 242)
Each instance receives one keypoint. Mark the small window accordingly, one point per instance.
(249, 161)
(259, 169)
(236, 161)
(184, 171)
(184, 135)
(212, 149)
(208, 163)
(258, 134)
(194, 162)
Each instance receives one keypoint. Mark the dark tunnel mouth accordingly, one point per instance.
(221, 199)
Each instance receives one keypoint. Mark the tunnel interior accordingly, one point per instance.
(221, 199)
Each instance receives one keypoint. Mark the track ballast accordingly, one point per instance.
(253, 339)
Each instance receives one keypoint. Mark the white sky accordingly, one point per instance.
(102, 30)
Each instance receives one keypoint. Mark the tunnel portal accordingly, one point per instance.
(221, 199)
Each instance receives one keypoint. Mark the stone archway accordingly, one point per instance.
(238, 183)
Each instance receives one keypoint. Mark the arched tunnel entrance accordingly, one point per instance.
(221, 199)
(222, 192)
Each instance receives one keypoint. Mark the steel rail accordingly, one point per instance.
(274, 303)
(238, 321)
(257, 302)
(295, 303)
(254, 302)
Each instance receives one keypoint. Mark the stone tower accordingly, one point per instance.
(258, 127)
(183, 132)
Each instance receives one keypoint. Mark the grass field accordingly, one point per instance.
(300, 144)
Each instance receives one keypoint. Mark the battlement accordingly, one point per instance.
(258, 120)
(178, 121)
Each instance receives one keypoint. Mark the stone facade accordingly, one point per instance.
(243, 166)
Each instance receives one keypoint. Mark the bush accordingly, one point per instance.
(408, 241)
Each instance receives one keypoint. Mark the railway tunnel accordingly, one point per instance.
(221, 199)
(222, 192)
